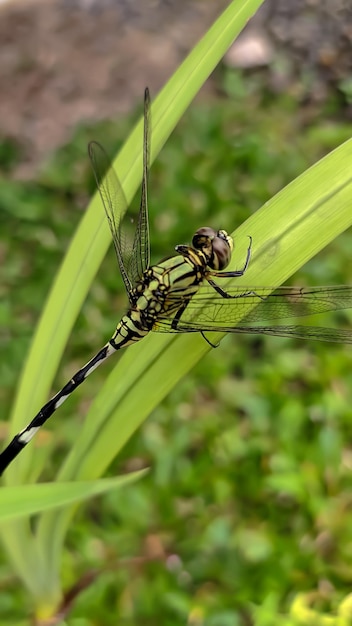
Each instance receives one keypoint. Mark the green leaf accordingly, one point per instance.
(289, 229)
(93, 237)
(71, 285)
(25, 500)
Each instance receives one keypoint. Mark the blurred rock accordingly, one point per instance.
(252, 49)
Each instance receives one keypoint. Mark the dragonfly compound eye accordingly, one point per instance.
(203, 241)
(216, 245)
(222, 245)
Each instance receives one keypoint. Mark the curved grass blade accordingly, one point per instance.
(39, 567)
(301, 219)
(92, 238)
(287, 231)
(25, 500)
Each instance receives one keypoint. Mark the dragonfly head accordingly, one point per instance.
(216, 245)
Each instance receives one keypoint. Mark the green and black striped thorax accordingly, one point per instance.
(180, 276)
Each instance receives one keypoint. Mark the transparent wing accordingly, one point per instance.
(132, 253)
(114, 202)
(140, 259)
(207, 313)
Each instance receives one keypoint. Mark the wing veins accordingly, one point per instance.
(133, 258)
(113, 199)
(209, 313)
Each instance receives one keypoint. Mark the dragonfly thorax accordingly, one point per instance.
(216, 246)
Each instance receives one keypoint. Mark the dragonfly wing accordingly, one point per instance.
(140, 259)
(133, 253)
(115, 204)
(206, 312)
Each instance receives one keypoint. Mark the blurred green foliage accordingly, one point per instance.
(248, 499)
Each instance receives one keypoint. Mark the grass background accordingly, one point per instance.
(247, 501)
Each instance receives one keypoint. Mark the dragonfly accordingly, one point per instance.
(181, 294)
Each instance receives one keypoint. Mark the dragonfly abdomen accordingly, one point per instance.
(130, 329)
(24, 436)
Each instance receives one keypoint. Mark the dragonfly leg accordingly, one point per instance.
(224, 294)
(176, 319)
(236, 273)
(213, 345)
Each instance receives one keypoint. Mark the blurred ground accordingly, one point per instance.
(64, 62)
